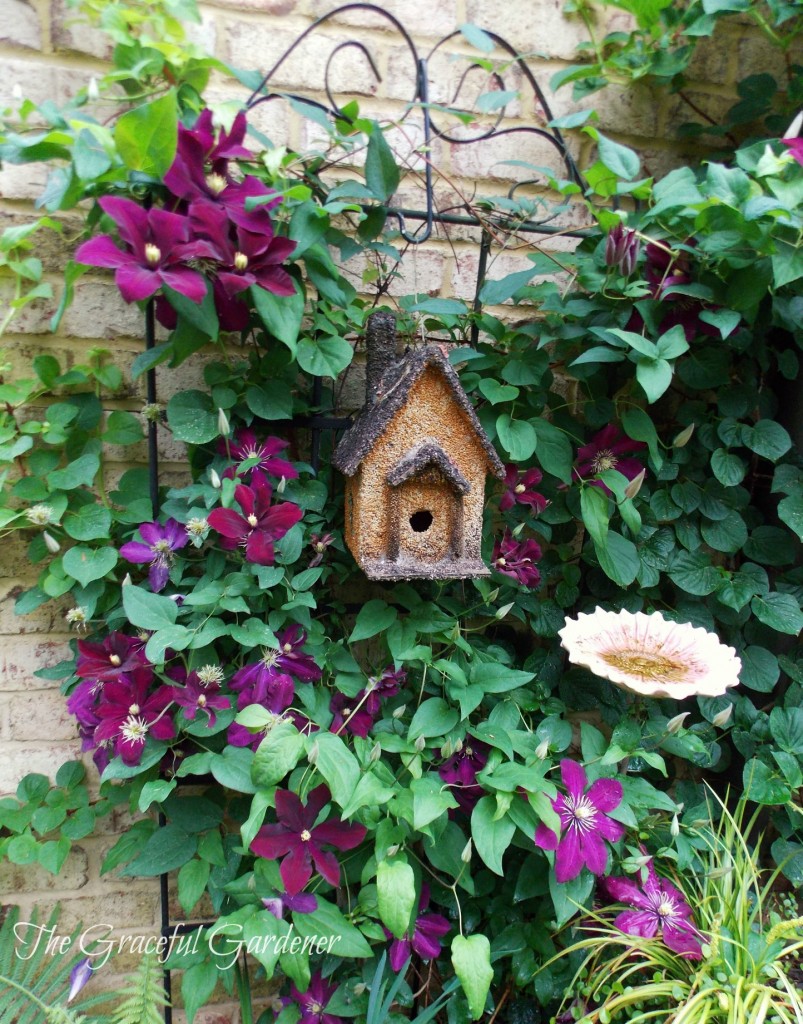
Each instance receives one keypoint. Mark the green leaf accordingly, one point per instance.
(491, 837)
(790, 510)
(767, 439)
(327, 922)
(381, 173)
(760, 669)
(155, 791)
(148, 611)
(493, 293)
(619, 559)
(374, 617)
(395, 895)
(192, 417)
(270, 400)
(778, 611)
(277, 755)
(79, 473)
(518, 437)
(324, 356)
(595, 510)
(496, 392)
(232, 769)
(168, 848)
(90, 522)
(638, 425)
(555, 454)
(87, 564)
(729, 469)
(623, 161)
(693, 573)
(471, 959)
(431, 799)
(146, 137)
(336, 763)
(281, 315)
(433, 717)
(786, 726)
(53, 854)
(201, 315)
(477, 38)
(192, 879)
(654, 375)
(307, 225)
(762, 785)
(198, 983)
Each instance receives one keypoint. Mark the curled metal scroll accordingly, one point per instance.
(420, 102)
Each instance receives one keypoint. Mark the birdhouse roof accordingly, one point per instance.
(393, 393)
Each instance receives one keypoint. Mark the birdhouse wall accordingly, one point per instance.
(429, 413)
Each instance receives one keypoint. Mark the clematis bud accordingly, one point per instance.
(399, 712)
(127, 581)
(79, 976)
(793, 130)
(502, 612)
(223, 427)
(51, 543)
(676, 724)
(281, 485)
(674, 828)
(458, 746)
(517, 529)
(622, 249)
(542, 750)
(684, 436)
(392, 850)
(420, 743)
(447, 750)
(312, 753)
(465, 856)
(634, 486)
(376, 752)
(214, 479)
(359, 988)
(92, 90)
(721, 719)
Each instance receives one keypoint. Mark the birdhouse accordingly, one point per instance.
(415, 459)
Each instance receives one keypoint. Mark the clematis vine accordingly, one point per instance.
(160, 541)
(519, 490)
(516, 559)
(660, 910)
(299, 841)
(157, 249)
(584, 823)
(260, 523)
(426, 938)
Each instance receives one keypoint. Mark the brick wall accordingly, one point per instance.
(44, 54)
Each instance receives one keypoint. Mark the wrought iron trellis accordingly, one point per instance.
(322, 421)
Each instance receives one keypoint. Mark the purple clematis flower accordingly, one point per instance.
(386, 685)
(301, 903)
(622, 249)
(158, 246)
(297, 839)
(199, 145)
(314, 1001)
(351, 714)
(425, 940)
(246, 446)
(660, 908)
(519, 490)
(160, 543)
(584, 823)
(260, 523)
(247, 258)
(107, 660)
(194, 696)
(288, 658)
(516, 559)
(460, 771)
(319, 542)
(129, 712)
(605, 451)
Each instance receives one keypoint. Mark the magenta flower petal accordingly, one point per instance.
(683, 940)
(399, 954)
(545, 838)
(135, 552)
(135, 282)
(259, 549)
(606, 794)
(296, 869)
(101, 252)
(594, 852)
(643, 923)
(574, 778)
(228, 522)
(188, 282)
(272, 841)
(610, 829)
(131, 219)
(569, 856)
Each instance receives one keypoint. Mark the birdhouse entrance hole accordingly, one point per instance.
(421, 520)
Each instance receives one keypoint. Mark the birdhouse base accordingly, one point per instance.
(448, 569)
